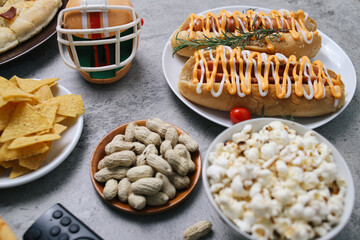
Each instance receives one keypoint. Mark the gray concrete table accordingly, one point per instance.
(144, 93)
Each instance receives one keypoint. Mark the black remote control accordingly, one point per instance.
(60, 224)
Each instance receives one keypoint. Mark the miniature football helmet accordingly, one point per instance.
(101, 37)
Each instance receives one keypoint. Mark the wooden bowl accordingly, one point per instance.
(99, 154)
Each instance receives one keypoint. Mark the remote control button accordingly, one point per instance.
(35, 233)
(63, 236)
(74, 228)
(65, 221)
(57, 214)
(55, 230)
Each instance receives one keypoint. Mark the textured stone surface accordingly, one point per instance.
(144, 93)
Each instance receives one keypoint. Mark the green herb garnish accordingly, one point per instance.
(291, 118)
(230, 39)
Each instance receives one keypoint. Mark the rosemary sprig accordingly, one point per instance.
(230, 39)
(291, 118)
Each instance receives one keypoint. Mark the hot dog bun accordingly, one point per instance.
(272, 103)
(291, 43)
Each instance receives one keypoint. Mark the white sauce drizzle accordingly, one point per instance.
(308, 41)
(218, 93)
(269, 20)
(214, 29)
(336, 102)
(198, 88)
(311, 89)
(242, 25)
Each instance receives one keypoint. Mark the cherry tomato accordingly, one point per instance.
(239, 114)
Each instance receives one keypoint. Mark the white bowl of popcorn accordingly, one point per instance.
(276, 179)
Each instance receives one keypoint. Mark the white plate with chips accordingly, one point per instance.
(59, 151)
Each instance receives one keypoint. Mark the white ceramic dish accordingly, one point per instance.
(330, 54)
(257, 124)
(60, 149)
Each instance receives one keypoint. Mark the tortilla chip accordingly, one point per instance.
(17, 171)
(43, 93)
(30, 85)
(13, 81)
(9, 164)
(35, 162)
(5, 115)
(10, 154)
(9, 90)
(59, 118)
(53, 84)
(70, 105)
(58, 128)
(21, 142)
(5, 231)
(25, 120)
(48, 111)
(15, 99)
(2, 102)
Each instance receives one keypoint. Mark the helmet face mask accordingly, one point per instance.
(99, 46)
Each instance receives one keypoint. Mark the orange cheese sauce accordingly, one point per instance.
(238, 65)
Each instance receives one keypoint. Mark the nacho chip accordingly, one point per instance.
(70, 105)
(30, 85)
(58, 128)
(21, 142)
(48, 111)
(32, 101)
(5, 115)
(53, 84)
(9, 164)
(5, 231)
(42, 132)
(25, 120)
(2, 102)
(35, 162)
(10, 154)
(43, 93)
(13, 81)
(9, 90)
(17, 171)
(59, 118)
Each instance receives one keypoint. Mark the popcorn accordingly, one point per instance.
(310, 180)
(215, 173)
(243, 135)
(238, 187)
(277, 183)
(260, 231)
(252, 154)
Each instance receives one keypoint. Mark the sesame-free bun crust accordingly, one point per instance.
(273, 106)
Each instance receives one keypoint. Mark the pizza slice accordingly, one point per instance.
(7, 39)
(24, 18)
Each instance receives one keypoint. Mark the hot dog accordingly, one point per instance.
(297, 34)
(271, 85)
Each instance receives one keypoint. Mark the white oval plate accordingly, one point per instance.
(59, 151)
(257, 124)
(330, 54)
